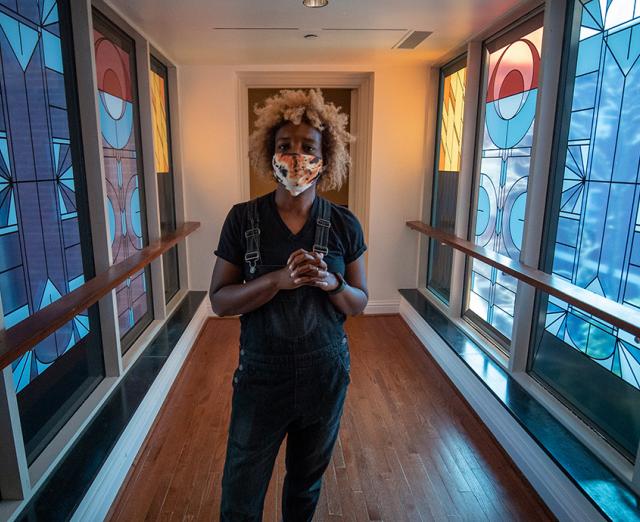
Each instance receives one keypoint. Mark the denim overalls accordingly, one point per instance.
(292, 378)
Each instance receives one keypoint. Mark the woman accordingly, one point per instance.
(293, 295)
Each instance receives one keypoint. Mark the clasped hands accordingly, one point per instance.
(306, 268)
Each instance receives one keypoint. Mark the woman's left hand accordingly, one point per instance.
(309, 268)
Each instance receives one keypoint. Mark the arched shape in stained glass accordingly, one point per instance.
(119, 126)
(511, 84)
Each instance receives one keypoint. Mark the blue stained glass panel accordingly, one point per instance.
(117, 99)
(598, 234)
(510, 108)
(40, 251)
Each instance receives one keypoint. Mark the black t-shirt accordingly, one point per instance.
(305, 315)
(346, 240)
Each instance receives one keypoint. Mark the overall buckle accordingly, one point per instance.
(252, 258)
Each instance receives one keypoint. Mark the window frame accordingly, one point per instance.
(143, 48)
(128, 339)
(497, 340)
(449, 68)
(156, 62)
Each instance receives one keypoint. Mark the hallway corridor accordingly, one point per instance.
(409, 447)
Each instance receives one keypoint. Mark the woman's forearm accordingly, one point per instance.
(241, 298)
(351, 301)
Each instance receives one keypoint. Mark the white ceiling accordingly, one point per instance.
(189, 31)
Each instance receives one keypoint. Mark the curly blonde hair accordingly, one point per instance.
(297, 106)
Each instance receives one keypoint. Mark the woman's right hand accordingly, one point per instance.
(283, 280)
(282, 277)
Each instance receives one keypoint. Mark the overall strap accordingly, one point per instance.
(252, 236)
(323, 224)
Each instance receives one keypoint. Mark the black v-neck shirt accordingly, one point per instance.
(346, 240)
(303, 318)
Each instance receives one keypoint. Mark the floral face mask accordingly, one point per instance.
(296, 171)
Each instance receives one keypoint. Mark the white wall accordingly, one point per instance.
(208, 107)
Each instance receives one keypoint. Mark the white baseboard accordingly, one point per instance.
(210, 312)
(96, 503)
(562, 497)
(382, 306)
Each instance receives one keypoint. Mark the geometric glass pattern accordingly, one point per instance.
(510, 107)
(451, 120)
(115, 70)
(597, 243)
(159, 115)
(445, 182)
(159, 77)
(40, 248)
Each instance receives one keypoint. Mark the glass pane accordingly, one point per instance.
(45, 245)
(445, 184)
(513, 63)
(159, 102)
(164, 170)
(595, 232)
(117, 99)
(594, 382)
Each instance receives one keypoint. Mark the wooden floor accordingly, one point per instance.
(409, 447)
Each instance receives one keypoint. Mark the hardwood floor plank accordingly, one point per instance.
(409, 447)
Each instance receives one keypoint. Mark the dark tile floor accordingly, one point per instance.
(64, 489)
(612, 497)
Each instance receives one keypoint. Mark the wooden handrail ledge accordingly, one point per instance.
(20, 338)
(610, 311)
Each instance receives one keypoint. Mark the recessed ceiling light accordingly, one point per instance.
(315, 3)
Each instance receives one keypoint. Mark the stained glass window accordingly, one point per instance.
(45, 245)
(117, 99)
(40, 249)
(159, 114)
(597, 243)
(451, 118)
(513, 63)
(445, 184)
(164, 171)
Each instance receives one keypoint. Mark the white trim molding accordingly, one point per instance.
(466, 175)
(426, 205)
(382, 306)
(210, 312)
(362, 126)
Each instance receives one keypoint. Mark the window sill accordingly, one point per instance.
(487, 344)
(84, 467)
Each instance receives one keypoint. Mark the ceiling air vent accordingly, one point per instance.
(414, 39)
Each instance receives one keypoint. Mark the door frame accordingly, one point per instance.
(361, 126)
